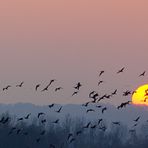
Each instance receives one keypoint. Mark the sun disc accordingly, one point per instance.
(140, 96)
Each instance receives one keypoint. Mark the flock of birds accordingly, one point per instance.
(95, 99)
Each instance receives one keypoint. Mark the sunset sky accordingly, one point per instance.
(71, 41)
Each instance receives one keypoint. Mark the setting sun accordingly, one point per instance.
(140, 96)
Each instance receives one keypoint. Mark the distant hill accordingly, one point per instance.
(125, 115)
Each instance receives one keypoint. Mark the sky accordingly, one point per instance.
(71, 41)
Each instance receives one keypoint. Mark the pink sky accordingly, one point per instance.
(70, 40)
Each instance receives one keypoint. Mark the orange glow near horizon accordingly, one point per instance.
(140, 97)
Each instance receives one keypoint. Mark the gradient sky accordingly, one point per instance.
(71, 40)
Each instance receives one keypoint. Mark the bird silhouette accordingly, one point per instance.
(78, 133)
(20, 119)
(93, 127)
(18, 131)
(121, 70)
(59, 110)
(40, 114)
(101, 72)
(20, 85)
(86, 104)
(78, 86)
(52, 105)
(146, 92)
(43, 132)
(37, 86)
(91, 94)
(46, 88)
(135, 125)
(69, 136)
(6, 88)
(98, 106)
(100, 82)
(94, 97)
(124, 104)
(87, 126)
(90, 110)
(126, 93)
(104, 109)
(43, 121)
(6, 120)
(58, 88)
(134, 92)
(100, 120)
(136, 120)
(116, 123)
(56, 121)
(143, 74)
(75, 93)
(51, 81)
(27, 117)
(145, 99)
(115, 92)
(102, 97)
(38, 140)
(108, 96)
